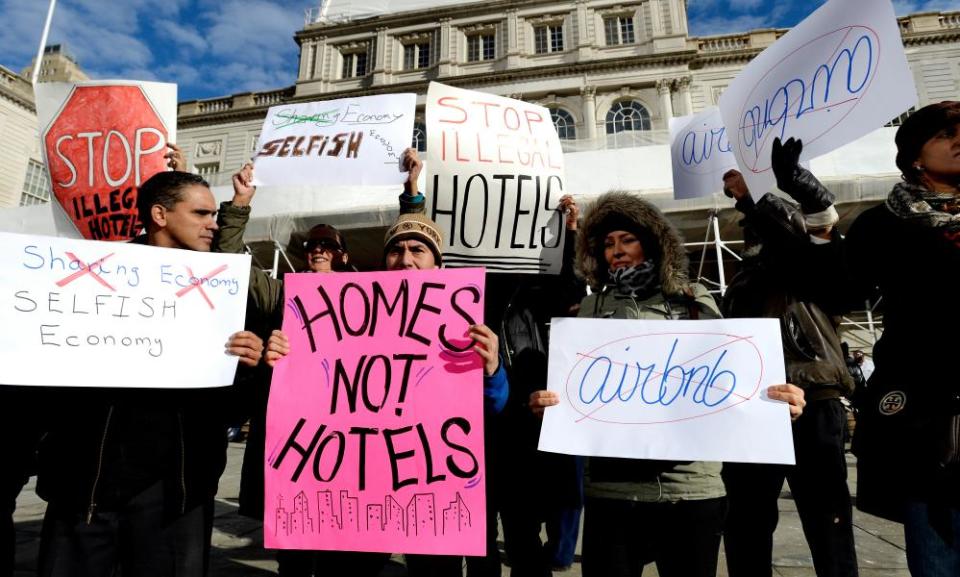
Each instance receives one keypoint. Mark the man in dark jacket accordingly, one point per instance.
(779, 279)
(130, 474)
(522, 305)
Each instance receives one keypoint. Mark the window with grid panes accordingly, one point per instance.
(548, 38)
(627, 116)
(563, 122)
(419, 137)
(481, 47)
(416, 56)
(36, 185)
(619, 30)
(354, 65)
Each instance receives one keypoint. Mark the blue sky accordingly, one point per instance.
(218, 47)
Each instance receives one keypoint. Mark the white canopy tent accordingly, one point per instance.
(861, 171)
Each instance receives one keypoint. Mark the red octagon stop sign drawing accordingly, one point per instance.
(102, 144)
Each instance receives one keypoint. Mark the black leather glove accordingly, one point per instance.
(796, 181)
(785, 160)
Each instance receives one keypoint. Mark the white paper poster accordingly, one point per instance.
(96, 314)
(350, 141)
(700, 154)
(835, 77)
(495, 182)
(672, 390)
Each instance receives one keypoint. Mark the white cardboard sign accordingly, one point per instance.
(496, 181)
(700, 153)
(98, 314)
(835, 77)
(350, 141)
(673, 390)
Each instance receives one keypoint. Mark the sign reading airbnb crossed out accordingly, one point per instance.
(495, 182)
(667, 390)
(838, 75)
(101, 141)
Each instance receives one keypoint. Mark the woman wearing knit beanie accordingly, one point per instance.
(908, 430)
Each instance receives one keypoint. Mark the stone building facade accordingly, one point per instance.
(611, 72)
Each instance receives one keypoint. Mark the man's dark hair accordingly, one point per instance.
(166, 189)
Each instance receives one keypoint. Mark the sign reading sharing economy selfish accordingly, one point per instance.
(496, 178)
(375, 419)
(351, 141)
(672, 390)
(835, 77)
(97, 314)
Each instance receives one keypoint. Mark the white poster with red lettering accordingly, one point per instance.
(101, 140)
(495, 181)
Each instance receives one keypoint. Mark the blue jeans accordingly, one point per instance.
(933, 540)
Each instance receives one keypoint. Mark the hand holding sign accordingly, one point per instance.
(672, 390)
(375, 427)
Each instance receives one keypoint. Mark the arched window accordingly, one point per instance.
(419, 137)
(627, 115)
(564, 123)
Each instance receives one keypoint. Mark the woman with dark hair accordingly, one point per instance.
(908, 429)
(635, 510)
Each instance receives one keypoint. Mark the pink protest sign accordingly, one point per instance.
(375, 420)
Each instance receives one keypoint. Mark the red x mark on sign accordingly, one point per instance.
(86, 269)
(199, 283)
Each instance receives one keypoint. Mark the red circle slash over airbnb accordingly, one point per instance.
(101, 145)
(658, 378)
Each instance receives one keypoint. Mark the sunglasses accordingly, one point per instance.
(323, 244)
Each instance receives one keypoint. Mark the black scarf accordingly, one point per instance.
(638, 281)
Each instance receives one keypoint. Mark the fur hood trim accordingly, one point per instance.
(673, 261)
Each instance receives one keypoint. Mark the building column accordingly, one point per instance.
(443, 50)
(513, 38)
(306, 51)
(589, 96)
(666, 106)
(381, 66)
(685, 99)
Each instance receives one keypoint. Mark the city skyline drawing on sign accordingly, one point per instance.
(418, 518)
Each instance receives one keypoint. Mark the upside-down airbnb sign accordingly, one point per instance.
(101, 141)
(835, 77)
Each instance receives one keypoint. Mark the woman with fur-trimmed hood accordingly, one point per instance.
(638, 511)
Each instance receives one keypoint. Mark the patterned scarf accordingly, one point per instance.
(916, 204)
(636, 281)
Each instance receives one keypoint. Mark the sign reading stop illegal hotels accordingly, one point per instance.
(97, 314)
(495, 182)
(351, 141)
(101, 140)
(668, 390)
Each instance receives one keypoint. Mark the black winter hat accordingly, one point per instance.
(919, 128)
